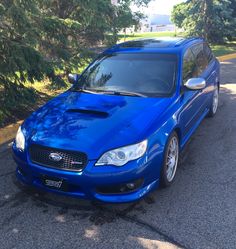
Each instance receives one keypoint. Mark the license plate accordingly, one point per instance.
(54, 182)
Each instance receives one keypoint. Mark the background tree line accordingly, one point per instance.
(215, 20)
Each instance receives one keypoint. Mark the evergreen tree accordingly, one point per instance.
(38, 38)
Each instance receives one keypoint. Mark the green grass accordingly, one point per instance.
(224, 49)
(47, 89)
(145, 35)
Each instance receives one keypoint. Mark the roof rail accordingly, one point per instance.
(186, 40)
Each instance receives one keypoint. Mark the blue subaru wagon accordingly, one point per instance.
(116, 134)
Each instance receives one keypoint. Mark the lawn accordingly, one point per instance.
(224, 49)
(145, 35)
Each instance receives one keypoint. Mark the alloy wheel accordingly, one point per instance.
(215, 101)
(172, 158)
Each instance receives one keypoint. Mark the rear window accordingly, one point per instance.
(208, 53)
(201, 58)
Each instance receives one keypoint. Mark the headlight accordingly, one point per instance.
(20, 140)
(121, 156)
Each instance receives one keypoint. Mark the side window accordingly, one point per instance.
(208, 53)
(189, 66)
(201, 58)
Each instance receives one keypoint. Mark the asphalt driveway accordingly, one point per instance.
(197, 211)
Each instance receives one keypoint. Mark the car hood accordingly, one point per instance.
(93, 123)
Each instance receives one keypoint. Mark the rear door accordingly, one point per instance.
(193, 101)
(212, 72)
(206, 69)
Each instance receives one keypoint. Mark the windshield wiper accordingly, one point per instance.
(84, 90)
(125, 93)
(130, 93)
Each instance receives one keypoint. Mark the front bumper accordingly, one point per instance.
(85, 184)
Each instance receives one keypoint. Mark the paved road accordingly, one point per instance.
(197, 212)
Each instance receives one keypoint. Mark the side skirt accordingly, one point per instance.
(189, 134)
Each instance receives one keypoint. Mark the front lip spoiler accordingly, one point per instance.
(130, 197)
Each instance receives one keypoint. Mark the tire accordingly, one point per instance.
(214, 103)
(169, 167)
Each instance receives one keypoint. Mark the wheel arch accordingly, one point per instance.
(178, 132)
(218, 85)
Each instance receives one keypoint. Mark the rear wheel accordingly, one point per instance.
(171, 158)
(214, 103)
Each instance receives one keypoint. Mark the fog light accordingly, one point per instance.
(121, 188)
(21, 172)
(130, 185)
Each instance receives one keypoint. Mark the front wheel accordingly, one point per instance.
(214, 103)
(170, 162)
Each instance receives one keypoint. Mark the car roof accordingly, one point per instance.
(160, 44)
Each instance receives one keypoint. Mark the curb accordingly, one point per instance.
(5, 146)
(8, 133)
(227, 57)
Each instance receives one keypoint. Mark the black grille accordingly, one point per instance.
(70, 160)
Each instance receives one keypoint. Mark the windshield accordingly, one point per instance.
(148, 74)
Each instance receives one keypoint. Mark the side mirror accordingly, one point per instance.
(73, 78)
(195, 84)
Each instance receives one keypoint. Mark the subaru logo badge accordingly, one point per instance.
(55, 157)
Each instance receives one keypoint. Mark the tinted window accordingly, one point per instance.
(201, 59)
(150, 74)
(189, 66)
(208, 53)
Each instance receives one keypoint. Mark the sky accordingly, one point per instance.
(163, 7)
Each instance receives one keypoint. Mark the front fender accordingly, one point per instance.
(158, 140)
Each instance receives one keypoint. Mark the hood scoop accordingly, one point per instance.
(99, 114)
